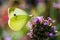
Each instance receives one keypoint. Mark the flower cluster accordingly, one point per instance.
(42, 28)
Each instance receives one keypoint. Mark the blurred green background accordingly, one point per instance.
(46, 8)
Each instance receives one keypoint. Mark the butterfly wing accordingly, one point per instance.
(17, 22)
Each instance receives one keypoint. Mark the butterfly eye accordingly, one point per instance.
(14, 14)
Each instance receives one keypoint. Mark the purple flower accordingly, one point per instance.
(36, 20)
(37, 27)
(54, 28)
(45, 23)
(49, 18)
(56, 5)
(53, 21)
(51, 34)
(40, 18)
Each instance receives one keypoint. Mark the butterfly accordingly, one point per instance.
(17, 18)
